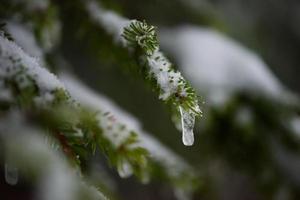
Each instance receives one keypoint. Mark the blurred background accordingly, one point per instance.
(246, 144)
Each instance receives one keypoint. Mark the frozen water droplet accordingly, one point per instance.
(124, 169)
(187, 123)
(11, 174)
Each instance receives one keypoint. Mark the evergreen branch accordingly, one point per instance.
(142, 39)
(173, 167)
(142, 34)
(33, 88)
(34, 158)
(80, 130)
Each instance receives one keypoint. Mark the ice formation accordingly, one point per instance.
(170, 82)
(188, 122)
(11, 174)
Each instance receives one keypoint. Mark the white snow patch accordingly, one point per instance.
(167, 79)
(110, 21)
(17, 65)
(24, 37)
(111, 123)
(219, 66)
(5, 93)
(25, 147)
(173, 163)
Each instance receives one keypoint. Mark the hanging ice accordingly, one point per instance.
(187, 123)
(124, 169)
(11, 174)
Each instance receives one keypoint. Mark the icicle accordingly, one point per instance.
(187, 123)
(11, 174)
(124, 169)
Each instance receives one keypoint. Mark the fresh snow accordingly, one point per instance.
(219, 66)
(107, 118)
(17, 65)
(26, 148)
(110, 21)
(168, 80)
(158, 151)
(23, 36)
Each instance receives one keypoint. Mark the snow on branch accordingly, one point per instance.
(23, 80)
(174, 166)
(25, 71)
(140, 37)
(220, 66)
(28, 151)
(118, 134)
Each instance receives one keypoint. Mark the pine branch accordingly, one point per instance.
(34, 158)
(35, 89)
(176, 170)
(141, 38)
(80, 130)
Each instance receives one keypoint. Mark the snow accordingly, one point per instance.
(110, 21)
(173, 163)
(49, 35)
(25, 147)
(167, 79)
(16, 65)
(112, 128)
(5, 93)
(24, 37)
(170, 83)
(219, 66)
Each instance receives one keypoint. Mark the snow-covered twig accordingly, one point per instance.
(173, 165)
(27, 150)
(24, 71)
(21, 73)
(136, 35)
(221, 67)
